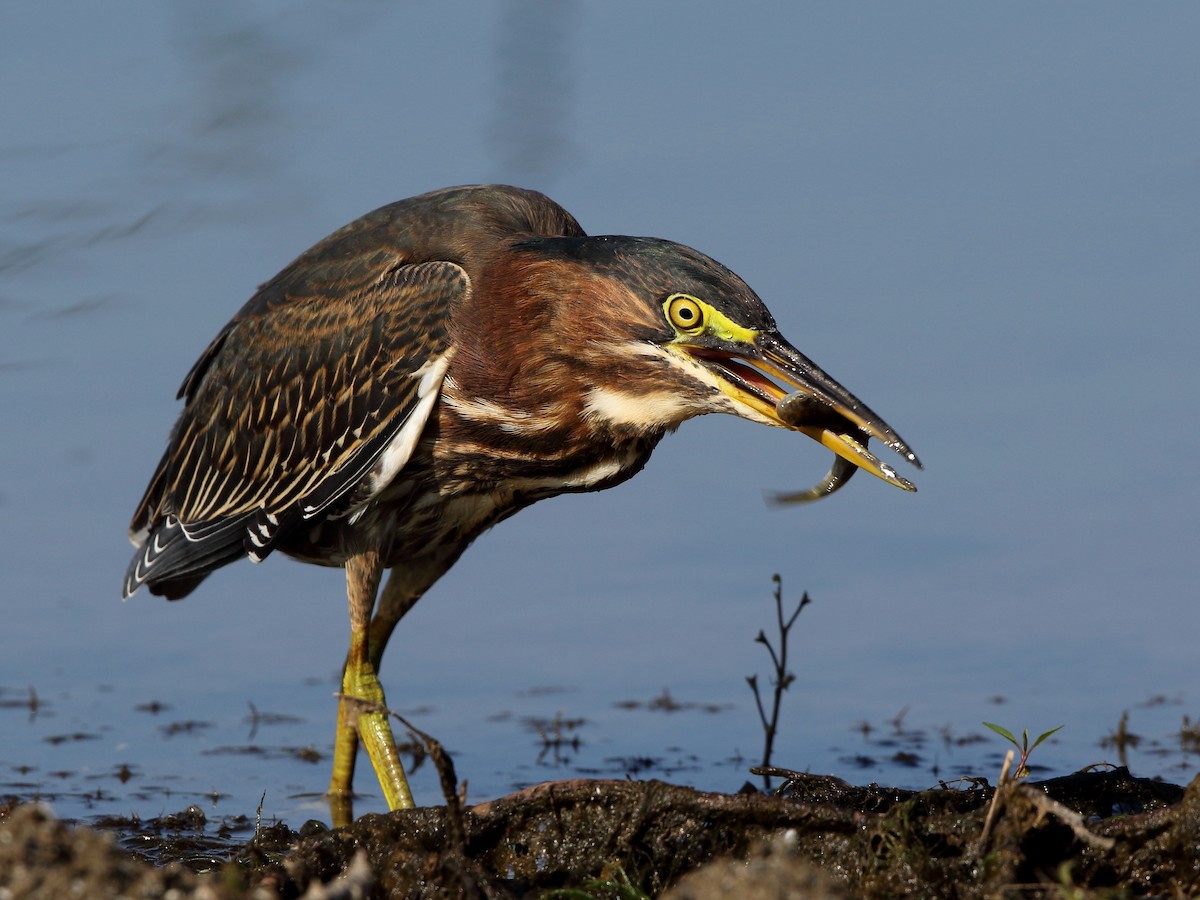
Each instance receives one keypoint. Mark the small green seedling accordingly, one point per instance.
(1023, 745)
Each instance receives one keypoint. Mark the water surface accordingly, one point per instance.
(984, 223)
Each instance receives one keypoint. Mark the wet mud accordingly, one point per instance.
(1091, 834)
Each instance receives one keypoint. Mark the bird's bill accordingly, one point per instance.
(783, 386)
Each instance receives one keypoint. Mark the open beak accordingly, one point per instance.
(786, 388)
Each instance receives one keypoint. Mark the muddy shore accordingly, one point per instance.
(1091, 834)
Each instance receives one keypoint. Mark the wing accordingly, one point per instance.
(303, 408)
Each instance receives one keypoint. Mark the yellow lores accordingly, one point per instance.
(692, 316)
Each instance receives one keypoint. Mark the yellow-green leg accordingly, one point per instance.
(362, 708)
(345, 751)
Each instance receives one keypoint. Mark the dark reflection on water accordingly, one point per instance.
(533, 111)
(238, 68)
(80, 308)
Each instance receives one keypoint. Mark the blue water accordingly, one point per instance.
(984, 222)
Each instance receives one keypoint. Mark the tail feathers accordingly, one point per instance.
(176, 557)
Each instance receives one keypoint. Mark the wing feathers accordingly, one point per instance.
(296, 414)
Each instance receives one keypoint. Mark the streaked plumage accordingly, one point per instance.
(436, 366)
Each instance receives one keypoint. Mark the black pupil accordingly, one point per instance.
(687, 314)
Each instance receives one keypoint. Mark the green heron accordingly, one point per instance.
(434, 367)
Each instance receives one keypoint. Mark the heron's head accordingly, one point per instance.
(653, 333)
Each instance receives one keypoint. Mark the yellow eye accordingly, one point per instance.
(686, 313)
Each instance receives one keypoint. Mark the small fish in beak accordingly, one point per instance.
(801, 409)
